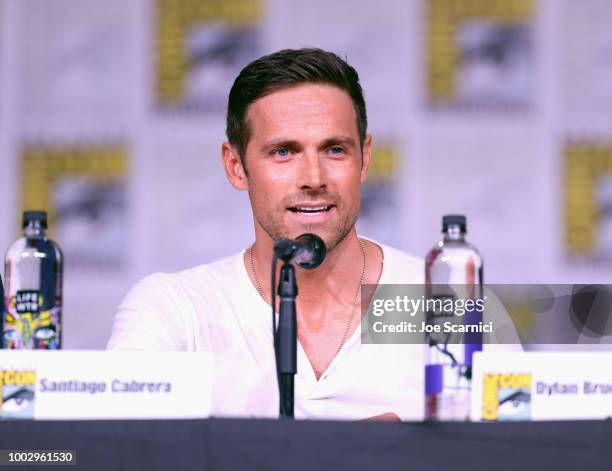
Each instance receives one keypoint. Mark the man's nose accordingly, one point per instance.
(312, 174)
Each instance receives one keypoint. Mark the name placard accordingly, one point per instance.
(542, 386)
(58, 385)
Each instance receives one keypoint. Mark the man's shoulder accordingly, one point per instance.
(206, 274)
(227, 266)
(400, 267)
(396, 255)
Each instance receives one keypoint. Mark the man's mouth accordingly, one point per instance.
(311, 210)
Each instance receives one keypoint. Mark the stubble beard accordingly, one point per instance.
(273, 224)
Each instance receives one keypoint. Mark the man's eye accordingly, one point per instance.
(282, 152)
(336, 150)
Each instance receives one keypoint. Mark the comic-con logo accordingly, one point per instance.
(506, 396)
(17, 393)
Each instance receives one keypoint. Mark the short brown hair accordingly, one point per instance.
(286, 69)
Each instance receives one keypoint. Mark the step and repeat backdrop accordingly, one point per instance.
(112, 119)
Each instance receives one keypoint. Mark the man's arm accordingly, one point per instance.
(386, 417)
(150, 317)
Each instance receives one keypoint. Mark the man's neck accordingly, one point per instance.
(327, 303)
(340, 264)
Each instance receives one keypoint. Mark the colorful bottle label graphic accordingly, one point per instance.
(27, 325)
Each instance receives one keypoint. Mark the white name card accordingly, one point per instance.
(57, 385)
(542, 386)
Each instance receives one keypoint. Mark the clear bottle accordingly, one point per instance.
(2, 301)
(33, 298)
(453, 269)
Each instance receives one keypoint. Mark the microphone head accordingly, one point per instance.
(315, 253)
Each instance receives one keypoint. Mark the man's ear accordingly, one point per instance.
(234, 169)
(366, 157)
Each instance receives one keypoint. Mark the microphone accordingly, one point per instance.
(307, 250)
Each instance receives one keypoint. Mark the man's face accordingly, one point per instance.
(304, 163)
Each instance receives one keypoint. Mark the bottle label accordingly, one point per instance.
(28, 301)
(27, 325)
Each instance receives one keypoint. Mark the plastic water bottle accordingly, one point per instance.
(453, 269)
(33, 298)
(2, 299)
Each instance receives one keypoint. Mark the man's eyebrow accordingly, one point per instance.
(277, 143)
(339, 140)
(293, 144)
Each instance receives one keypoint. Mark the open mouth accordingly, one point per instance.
(311, 210)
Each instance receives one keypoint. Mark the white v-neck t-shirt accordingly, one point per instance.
(216, 308)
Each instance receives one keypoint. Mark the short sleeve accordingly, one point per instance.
(152, 316)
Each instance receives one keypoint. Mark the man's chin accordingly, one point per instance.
(332, 235)
(331, 238)
(326, 236)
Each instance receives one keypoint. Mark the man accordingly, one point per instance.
(298, 144)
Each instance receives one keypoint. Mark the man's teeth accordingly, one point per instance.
(319, 209)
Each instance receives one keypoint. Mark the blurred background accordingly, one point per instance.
(112, 118)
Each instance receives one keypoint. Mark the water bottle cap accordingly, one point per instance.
(40, 216)
(454, 219)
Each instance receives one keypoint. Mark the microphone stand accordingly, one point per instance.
(286, 339)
